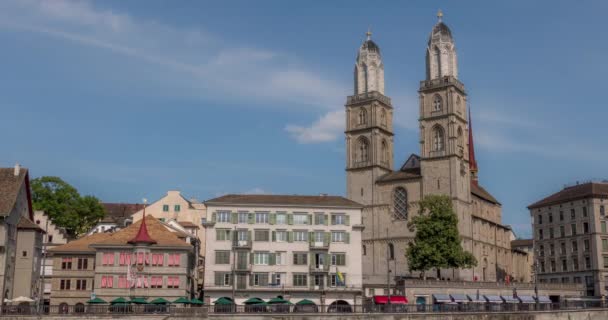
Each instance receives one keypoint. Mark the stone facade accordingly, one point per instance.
(295, 246)
(571, 238)
(446, 165)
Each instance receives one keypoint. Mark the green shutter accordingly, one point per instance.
(213, 217)
(250, 257)
(311, 237)
(327, 261)
(333, 219)
(274, 236)
(249, 236)
(290, 219)
(218, 279)
(272, 259)
(316, 219)
(347, 220)
(251, 279)
(310, 219)
(289, 236)
(327, 238)
(251, 218)
(235, 217)
(347, 237)
(273, 218)
(326, 219)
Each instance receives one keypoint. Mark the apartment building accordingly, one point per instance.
(53, 237)
(570, 236)
(299, 247)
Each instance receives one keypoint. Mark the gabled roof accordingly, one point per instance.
(480, 192)
(412, 164)
(10, 185)
(27, 224)
(283, 200)
(409, 170)
(118, 212)
(155, 229)
(82, 244)
(576, 192)
(142, 235)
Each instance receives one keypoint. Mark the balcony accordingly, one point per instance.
(441, 82)
(319, 245)
(367, 96)
(314, 268)
(242, 267)
(241, 244)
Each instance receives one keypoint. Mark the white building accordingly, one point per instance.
(299, 247)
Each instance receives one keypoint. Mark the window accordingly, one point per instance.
(551, 250)
(338, 219)
(122, 282)
(107, 259)
(243, 217)
(384, 152)
(281, 218)
(565, 280)
(561, 216)
(540, 234)
(279, 258)
(156, 282)
(262, 235)
(319, 236)
(391, 251)
(362, 116)
(551, 233)
(338, 236)
(605, 262)
(438, 144)
(562, 231)
(50, 239)
(82, 284)
(553, 266)
(83, 263)
(362, 150)
(177, 208)
(573, 229)
(603, 225)
(66, 264)
(575, 263)
(586, 245)
(604, 245)
(278, 279)
(400, 203)
(173, 282)
(564, 265)
(106, 282)
(574, 246)
(260, 279)
(542, 266)
(300, 219)
(364, 250)
(222, 257)
(539, 219)
(383, 117)
(436, 103)
(562, 248)
(242, 235)
(223, 216)
(319, 219)
(300, 236)
(577, 279)
(165, 208)
(300, 280)
(64, 284)
(300, 258)
(261, 258)
(586, 227)
(335, 280)
(158, 259)
(174, 259)
(584, 211)
(338, 259)
(281, 236)
(587, 263)
(602, 210)
(222, 234)
(222, 279)
(572, 214)
(550, 217)
(24, 254)
(318, 279)
(541, 251)
(261, 217)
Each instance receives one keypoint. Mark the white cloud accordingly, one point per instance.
(328, 128)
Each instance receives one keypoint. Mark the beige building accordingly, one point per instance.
(53, 237)
(446, 165)
(299, 247)
(144, 260)
(571, 238)
(523, 259)
(20, 247)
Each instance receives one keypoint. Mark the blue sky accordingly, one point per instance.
(128, 99)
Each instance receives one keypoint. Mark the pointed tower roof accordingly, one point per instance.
(441, 32)
(142, 235)
(472, 162)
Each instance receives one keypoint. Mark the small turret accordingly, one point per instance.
(441, 52)
(369, 70)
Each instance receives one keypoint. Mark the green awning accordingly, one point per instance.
(139, 301)
(120, 300)
(254, 300)
(96, 301)
(160, 301)
(305, 302)
(181, 300)
(196, 301)
(278, 300)
(223, 301)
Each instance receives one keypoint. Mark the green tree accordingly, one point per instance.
(437, 241)
(65, 206)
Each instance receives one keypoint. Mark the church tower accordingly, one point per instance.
(369, 126)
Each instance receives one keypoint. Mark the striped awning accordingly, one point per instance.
(460, 298)
(510, 299)
(493, 299)
(442, 298)
(526, 299)
(544, 299)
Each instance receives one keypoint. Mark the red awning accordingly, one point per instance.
(394, 300)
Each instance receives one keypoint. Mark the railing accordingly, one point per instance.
(81, 311)
(441, 82)
(242, 267)
(319, 245)
(368, 96)
(319, 268)
(244, 244)
(488, 285)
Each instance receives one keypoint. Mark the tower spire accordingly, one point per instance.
(472, 162)
(142, 235)
(439, 15)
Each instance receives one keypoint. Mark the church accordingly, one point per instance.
(444, 165)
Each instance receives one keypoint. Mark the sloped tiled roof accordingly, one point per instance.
(25, 223)
(155, 229)
(9, 188)
(522, 243)
(82, 244)
(398, 175)
(286, 200)
(118, 212)
(479, 191)
(576, 192)
(188, 224)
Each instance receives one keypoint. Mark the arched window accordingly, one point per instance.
(384, 151)
(383, 118)
(400, 203)
(364, 250)
(363, 150)
(362, 116)
(438, 139)
(437, 103)
(460, 138)
(437, 57)
(391, 251)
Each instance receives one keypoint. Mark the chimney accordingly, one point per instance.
(17, 169)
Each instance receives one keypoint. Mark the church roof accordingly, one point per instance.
(142, 235)
(398, 175)
(370, 46)
(576, 192)
(480, 192)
